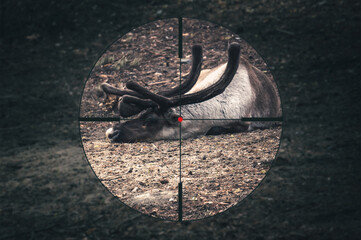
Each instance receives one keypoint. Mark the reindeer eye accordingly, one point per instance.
(172, 119)
(175, 118)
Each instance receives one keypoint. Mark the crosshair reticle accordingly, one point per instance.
(166, 139)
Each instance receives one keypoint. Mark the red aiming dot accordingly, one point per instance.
(180, 119)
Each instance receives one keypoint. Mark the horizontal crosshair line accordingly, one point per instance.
(101, 119)
(261, 119)
(267, 119)
(116, 119)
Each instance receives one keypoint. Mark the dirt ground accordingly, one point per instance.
(217, 171)
(49, 191)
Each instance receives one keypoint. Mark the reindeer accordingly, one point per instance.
(216, 98)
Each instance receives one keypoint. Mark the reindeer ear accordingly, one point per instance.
(128, 109)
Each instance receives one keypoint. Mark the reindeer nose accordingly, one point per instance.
(114, 134)
(111, 133)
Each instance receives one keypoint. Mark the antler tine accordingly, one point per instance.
(130, 105)
(219, 86)
(193, 75)
(145, 103)
(162, 101)
(107, 88)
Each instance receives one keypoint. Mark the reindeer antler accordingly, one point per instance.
(107, 88)
(133, 101)
(180, 89)
(136, 99)
(192, 78)
(200, 96)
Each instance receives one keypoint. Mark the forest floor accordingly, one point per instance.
(217, 171)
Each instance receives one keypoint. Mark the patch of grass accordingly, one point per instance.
(135, 62)
(124, 61)
(121, 63)
(108, 59)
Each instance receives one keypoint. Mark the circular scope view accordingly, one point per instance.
(180, 119)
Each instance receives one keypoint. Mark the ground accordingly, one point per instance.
(48, 190)
(217, 171)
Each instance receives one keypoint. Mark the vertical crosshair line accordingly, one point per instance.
(180, 55)
(180, 129)
(180, 35)
(180, 190)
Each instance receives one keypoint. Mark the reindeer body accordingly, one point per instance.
(231, 104)
(248, 93)
(237, 101)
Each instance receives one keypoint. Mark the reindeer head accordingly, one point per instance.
(157, 113)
